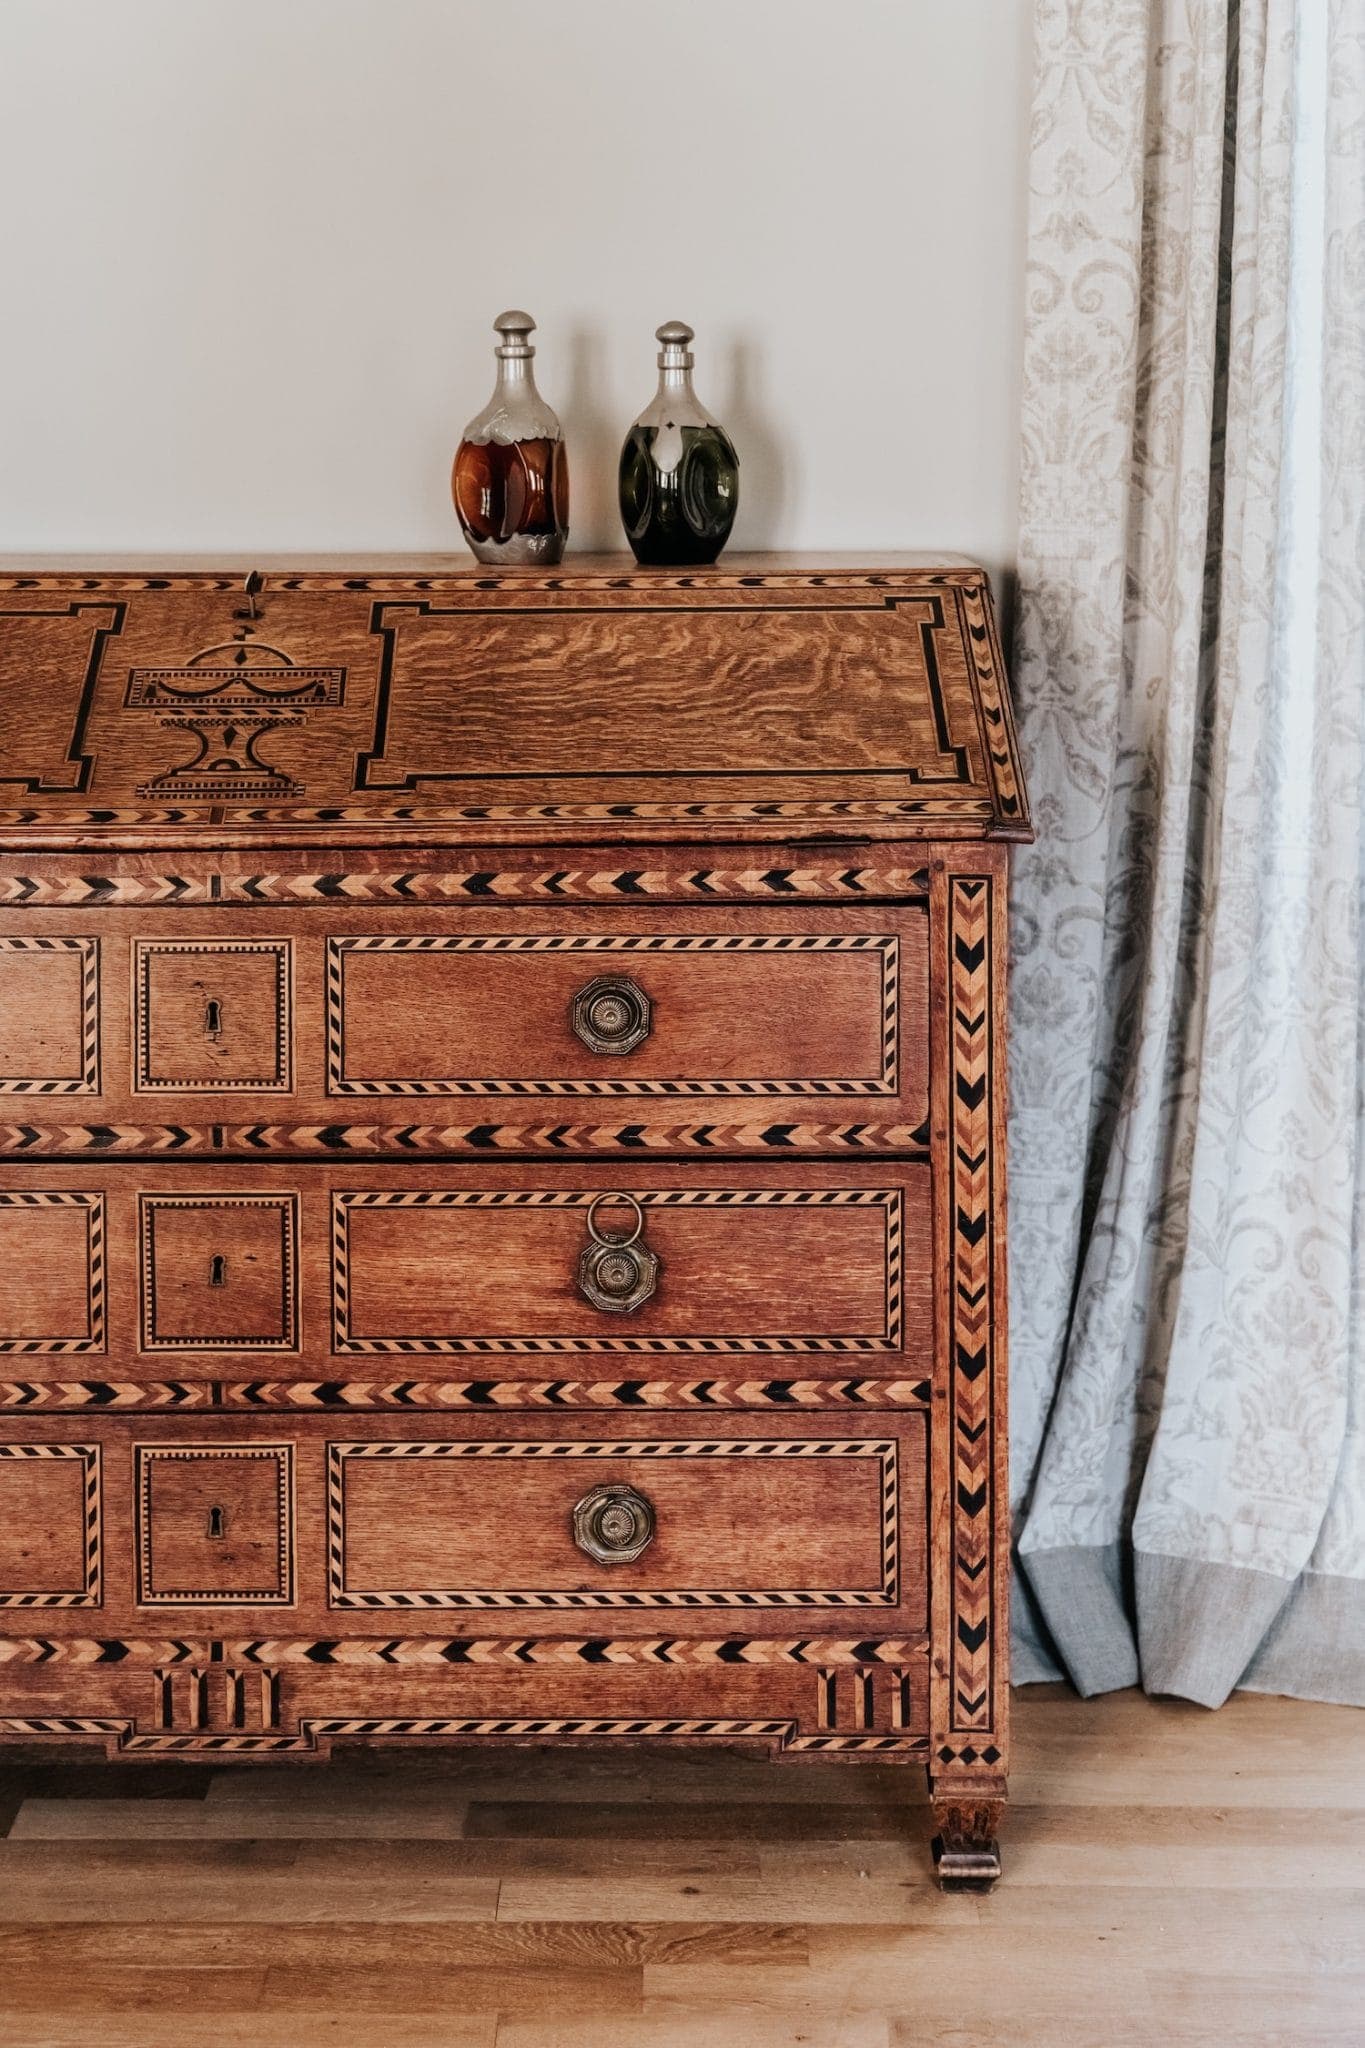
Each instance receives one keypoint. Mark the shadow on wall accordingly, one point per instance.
(765, 463)
(594, 434)
(594, 440)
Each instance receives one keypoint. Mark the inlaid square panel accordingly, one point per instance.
(214, 1523)
(219, 1272)
(49, 1525)
(51, 1271)
(49, 1016)
(212, 1015)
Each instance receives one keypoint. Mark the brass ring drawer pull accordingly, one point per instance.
(613, 1524)
(611, 1013)
(617, 1274)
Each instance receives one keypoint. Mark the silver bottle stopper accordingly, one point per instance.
(514, 327)
(676, 353)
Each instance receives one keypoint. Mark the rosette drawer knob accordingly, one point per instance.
(613, 1524)
(617, 1274)
(611, 1014)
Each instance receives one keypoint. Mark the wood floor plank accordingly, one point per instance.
(694, 1820)
(935, 1973)
(800, 1897)
(55, 1820)
(352, 1945)
(704, 2027)
(220, 2029)
(584, 1993)
(201, 1896)
(136, 1989)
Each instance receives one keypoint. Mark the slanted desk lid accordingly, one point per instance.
(770, 694)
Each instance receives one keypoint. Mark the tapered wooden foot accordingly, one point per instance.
(966, 1853)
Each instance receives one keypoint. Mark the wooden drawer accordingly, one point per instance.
(746, 1264)
(657, 1012)
(767, 1513)
(388, 1028)
(423, 1572)
(808, 1269)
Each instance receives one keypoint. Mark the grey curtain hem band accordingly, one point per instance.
(1108, 1617)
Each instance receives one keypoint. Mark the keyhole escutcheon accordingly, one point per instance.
(218, 1270)
(213, 1018)
(217, 1525)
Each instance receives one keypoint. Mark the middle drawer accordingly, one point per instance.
(803, 1269)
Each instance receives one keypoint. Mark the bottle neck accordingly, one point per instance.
(675, 382)
(516, 378)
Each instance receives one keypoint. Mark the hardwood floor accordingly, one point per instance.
(1172, 1876)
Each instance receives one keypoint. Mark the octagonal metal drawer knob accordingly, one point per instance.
(617, 1274)
(611, 1014)
(613, 1524)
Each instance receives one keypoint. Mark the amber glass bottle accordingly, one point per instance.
(679, 474)
(510, 482)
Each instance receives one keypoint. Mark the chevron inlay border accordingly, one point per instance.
(773, 882)
(414, 1395)
(569, 1652)
(758, 1134)
(121, 1736)
(972, 1361)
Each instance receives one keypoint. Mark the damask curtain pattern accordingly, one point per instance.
(1188, 1149)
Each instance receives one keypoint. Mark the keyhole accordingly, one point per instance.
(218, 1270)
(213, 1017)
(217, 1523)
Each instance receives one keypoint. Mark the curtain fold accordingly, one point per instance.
(1187, 1145)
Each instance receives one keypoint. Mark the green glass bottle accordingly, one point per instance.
(679, 477)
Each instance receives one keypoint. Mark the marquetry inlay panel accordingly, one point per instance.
(597, 1333)
(50, 1019)
(215, 1524)
(883, 1527)
(219, 1272)
(213, 1016)
(51, 1525)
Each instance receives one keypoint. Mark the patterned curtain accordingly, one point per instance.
(1188, 1152)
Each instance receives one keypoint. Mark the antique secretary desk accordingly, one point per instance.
(501, 1161)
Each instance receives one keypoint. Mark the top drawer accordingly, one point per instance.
(738, 1029)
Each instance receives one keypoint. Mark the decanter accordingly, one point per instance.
(679, 476)
(510, 481)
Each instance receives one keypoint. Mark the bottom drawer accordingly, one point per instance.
(273, 1585)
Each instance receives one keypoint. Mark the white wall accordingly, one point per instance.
(250, 251)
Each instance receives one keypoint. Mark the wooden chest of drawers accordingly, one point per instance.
(501, 1177)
